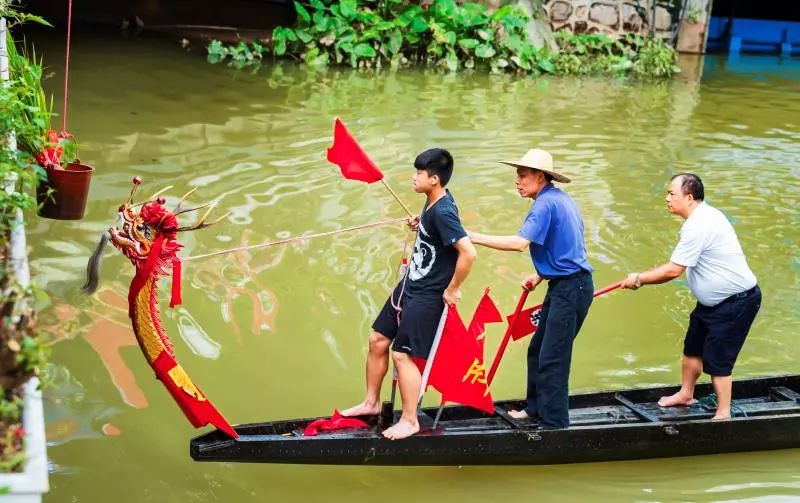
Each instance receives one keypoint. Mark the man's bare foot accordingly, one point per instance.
(676, 400)
(401, 429)
(518, 414)
(721, 417)
(362, 409)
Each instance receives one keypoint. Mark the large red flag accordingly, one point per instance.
(528, 322)
(486, 312)
(457, 371)
(350, 157)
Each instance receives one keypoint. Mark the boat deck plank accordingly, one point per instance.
(604, 426)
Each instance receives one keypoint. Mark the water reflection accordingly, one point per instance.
(281, 332)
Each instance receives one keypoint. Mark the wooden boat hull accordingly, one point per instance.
(606, 426)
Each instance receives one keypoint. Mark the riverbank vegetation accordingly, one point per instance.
(24, 119)
(452, 36)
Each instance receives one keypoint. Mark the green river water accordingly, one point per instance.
(281, 332)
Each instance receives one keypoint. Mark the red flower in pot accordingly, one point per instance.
(63, 195)
(50, 155)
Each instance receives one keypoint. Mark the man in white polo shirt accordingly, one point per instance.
(728, 297)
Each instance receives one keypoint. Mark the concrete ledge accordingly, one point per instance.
(28, 486)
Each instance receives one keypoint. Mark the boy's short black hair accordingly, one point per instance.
(436, 161)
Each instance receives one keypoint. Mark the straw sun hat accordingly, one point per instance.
(541, 160)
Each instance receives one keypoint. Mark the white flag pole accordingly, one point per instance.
(429, 363)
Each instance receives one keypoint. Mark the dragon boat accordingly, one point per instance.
(605, 426)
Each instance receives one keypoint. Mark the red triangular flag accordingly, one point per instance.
(528, 322)
(457, 371)
(485, 312)
(350, 157)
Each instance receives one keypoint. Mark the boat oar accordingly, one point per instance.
(515, 317)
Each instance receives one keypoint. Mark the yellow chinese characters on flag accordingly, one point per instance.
(457, 371)
(477, 374)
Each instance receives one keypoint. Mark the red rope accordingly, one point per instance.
(66, 67)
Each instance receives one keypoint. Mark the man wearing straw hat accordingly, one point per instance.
(553, 233)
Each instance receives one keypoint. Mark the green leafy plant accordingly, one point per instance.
(26, 68)
(394, 33)
(447, 35)
(25, 116)
(49, 148)
(655, 58)
(17, 164)
(695, 14)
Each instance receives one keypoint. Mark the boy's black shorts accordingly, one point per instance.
(419, 319)
(717, 333)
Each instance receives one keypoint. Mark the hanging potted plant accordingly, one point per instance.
(64, 185)
(62, 195)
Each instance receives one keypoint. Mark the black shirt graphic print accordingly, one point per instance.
(434, 260)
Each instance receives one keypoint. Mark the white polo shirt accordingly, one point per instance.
(715, 264)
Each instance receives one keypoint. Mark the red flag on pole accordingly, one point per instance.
(457, 371)
(527, 324)
(485, 312)
(529, 318)
(350, 157)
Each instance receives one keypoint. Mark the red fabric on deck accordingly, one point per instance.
(335, 422)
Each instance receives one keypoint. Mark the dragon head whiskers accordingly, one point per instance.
(137, 180)
(153, 197)
(93, 266)
(201, 223)
(177, 206)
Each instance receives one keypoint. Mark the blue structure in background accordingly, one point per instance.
(753, 35)
(760, 67)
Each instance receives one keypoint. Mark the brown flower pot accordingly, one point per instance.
(70, 189)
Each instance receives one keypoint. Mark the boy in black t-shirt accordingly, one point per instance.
(443, 256)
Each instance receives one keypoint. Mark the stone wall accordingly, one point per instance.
(613, 17)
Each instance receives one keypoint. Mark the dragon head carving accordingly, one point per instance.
(146, 233)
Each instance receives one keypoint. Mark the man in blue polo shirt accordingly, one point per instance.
(553, 232)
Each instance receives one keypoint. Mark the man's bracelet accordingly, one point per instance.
(638, 281)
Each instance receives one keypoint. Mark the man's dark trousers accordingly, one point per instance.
(550, 352)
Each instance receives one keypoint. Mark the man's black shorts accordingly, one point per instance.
(717, 333)
(419, 319)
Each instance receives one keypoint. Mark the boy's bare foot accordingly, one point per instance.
(401, 429)
(518, 414)
(676, 400)
(721, 417)
(362, 409)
